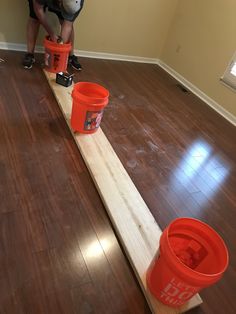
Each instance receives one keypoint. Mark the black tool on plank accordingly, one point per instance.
(64, 78)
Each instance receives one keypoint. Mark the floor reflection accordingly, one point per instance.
(96, 249)
(200, 170)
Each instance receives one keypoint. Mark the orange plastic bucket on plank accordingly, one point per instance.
(192, 256)
(89, 101)
(56, 56)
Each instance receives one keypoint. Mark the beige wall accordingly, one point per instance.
(130, 27)
(12, 21)
(200, 44)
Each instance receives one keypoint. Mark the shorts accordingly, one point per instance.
(33, 15)
(31, 10)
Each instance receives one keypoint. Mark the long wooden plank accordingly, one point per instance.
(132, 219)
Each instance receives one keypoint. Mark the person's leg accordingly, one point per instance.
(32, 34)
(73, 60)
(72, 37)
(32, 30)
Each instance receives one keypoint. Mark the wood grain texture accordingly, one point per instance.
(134, 223)
(58, 251)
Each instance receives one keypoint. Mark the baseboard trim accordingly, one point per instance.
(110, 56)
(84, 53)
(12, 46)
(116, 57)
(209, 101)
(18, 47)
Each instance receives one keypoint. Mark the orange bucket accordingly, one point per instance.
(56, 56)
(192, 256)
(89, 101)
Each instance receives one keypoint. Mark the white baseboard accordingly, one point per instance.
(12, 46)
(110, 56)
(84, 53)
(209, 101)
(18, 47)
(117, 57)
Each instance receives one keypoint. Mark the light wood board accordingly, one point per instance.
(136, 227)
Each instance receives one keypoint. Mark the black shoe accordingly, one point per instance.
(28, 61)
(74, 62)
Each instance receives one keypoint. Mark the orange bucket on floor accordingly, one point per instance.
(192, 256)
(56, 56)
(89, 101)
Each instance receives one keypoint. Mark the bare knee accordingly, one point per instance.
(33, 22)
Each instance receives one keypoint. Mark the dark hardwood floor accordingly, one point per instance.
(58, 252)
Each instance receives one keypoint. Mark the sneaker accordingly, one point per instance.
(74, 62)
(28, 60)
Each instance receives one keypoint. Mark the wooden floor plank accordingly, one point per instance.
(134, 223)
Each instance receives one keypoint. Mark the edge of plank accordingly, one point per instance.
(113, 182)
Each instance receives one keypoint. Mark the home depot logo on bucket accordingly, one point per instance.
(192, 257)
(51, 60)
(56, 55)
(177, 292)
(89, 101)
(93, 120)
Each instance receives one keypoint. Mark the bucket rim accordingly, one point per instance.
(81, 83)
(188, 269)
(53, 44)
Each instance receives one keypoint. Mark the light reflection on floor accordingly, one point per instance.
(200, 170)
(96, 249)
